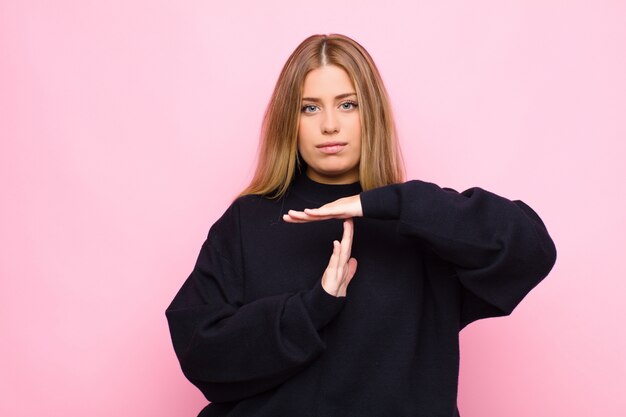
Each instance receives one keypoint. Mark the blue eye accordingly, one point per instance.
(309, 108)
(349, 105)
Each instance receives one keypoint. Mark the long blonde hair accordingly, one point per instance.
(381, 160)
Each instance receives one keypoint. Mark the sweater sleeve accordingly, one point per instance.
(232, 350)
(499, 248)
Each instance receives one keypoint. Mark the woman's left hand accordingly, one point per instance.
(343, 208)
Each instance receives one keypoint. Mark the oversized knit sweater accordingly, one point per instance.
(255, 331)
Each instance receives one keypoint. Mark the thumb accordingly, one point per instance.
(352, 264)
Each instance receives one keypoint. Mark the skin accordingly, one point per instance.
(330, 115)
(341, 267)
(344, 208)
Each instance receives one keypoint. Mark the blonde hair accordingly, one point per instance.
(381, 160)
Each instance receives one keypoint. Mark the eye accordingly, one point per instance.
(308, 108)
(349, 105)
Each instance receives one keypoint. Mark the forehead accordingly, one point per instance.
(327, 81)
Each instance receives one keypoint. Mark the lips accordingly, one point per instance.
(331, 147)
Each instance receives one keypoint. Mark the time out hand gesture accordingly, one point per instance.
(341, 267)
(344, 208)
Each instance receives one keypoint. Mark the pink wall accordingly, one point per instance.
(127, 126)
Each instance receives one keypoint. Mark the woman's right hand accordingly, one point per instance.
(341, 267)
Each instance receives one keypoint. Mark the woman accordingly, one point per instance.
(271, 322)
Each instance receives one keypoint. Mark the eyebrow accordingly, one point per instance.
(339, 97)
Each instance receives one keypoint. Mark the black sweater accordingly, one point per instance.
(255, 331)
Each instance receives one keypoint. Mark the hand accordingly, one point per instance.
(344, 208)
(341, 267)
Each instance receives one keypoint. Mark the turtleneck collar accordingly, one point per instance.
(319, 193)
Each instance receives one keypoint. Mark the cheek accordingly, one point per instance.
(356, 129)
(304, 133)
(355, 122)
(304, 140)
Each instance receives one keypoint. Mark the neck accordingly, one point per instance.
(349, 177)
(322, 193)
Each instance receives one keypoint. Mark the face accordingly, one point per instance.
(329, 135)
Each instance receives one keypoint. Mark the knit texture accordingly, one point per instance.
(255, 331)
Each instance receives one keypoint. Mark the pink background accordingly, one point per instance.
(127, 127)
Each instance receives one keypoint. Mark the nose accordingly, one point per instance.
(330, 123)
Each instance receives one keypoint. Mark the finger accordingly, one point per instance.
(299, 215)
(287, 218)
(349, 226)
(333, 263)
(352, 264)
(339, 209)
(346, 242)
(328, 211)
(329, 278)
(350, 221)
(323, 211)
(334, 210)
(350, 271)
(294, 216)
(304, 218)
